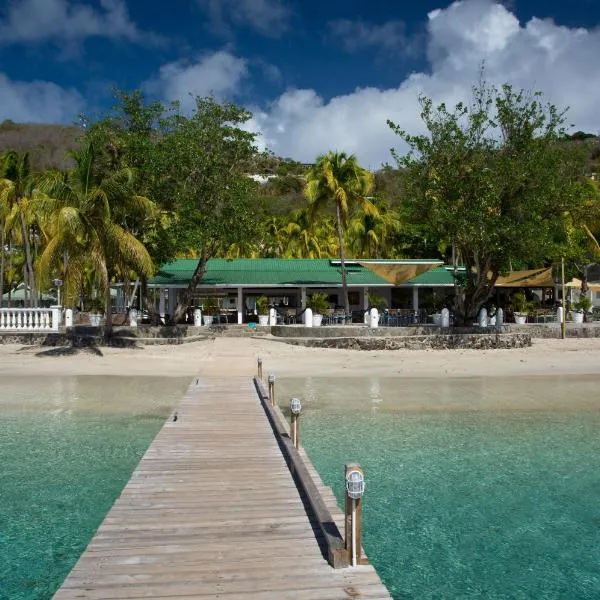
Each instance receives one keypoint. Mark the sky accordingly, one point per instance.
(316, 75)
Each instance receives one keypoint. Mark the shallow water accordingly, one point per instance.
(68, 445)
(476, 488)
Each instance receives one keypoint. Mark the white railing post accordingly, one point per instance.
(55, 318)
(30, 319)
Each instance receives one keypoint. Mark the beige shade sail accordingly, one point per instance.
(397, 274)
(576, 283)
(532, 278)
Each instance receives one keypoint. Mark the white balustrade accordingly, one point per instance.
(29, 319)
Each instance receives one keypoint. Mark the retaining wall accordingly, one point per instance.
(484, 341)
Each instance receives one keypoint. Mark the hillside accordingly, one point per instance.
(47, 145)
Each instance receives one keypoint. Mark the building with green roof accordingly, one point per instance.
(237, 283)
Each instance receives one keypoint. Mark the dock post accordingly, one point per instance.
(355, 488)
(271, 380)
(259, 368)
(296, 408)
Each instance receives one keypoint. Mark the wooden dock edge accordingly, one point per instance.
(332, 545)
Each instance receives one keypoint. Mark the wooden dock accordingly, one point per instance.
(212, 511)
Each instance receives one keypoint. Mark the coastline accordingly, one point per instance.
(222, 357)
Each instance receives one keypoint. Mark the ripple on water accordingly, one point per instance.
(67, 447)
(483, 488)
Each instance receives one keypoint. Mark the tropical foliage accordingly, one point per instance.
(495, 183)
(496, 180)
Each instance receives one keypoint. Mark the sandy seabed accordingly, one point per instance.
(222, 357)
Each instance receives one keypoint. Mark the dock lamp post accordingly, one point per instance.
(355, 488)
(58, 284)
(271, 381)
(296, 409)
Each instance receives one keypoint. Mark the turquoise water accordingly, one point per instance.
(67, 448)
(480, 488)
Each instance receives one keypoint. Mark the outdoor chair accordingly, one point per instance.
(290, 317)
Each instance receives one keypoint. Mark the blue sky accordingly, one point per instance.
(317, 75)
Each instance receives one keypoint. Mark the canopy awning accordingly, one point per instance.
(532, 278)
(397, 274)
(576, 283)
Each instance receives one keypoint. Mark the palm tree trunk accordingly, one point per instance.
(2, 268)
(28, 260)
(107, 305)
(342, 260)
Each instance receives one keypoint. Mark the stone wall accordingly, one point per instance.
(483, 341)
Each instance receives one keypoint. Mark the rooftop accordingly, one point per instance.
(268, 272)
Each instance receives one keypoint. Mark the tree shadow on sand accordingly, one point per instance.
(70, 351)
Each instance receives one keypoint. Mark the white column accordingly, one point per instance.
(302, 298)
(365, 298)
(240, 306)
(161, 303)
(415, 298)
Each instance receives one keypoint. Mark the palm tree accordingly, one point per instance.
(14, 191)
(78, 210)
(369, 235)
(301, 236)
(338, 181)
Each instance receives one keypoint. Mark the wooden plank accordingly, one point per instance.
(212, 511)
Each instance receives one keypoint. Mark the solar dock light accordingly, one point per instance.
(355, 488)
(296, 409)
(271, 380)
(259, 362)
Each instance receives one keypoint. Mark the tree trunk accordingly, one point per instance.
(133, 293)
(29, 263)
(186, 299)
(342, 260)
(107, 306)
(479, 289)
(2, 268)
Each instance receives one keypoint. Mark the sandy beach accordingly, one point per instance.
(224, 357)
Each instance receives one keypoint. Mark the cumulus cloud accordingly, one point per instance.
(218, 74)
(538, 55)
(267, 17)
(68, 21)
(38, 102)
(357, 35)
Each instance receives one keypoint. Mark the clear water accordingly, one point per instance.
(68, 445)
(479, 488)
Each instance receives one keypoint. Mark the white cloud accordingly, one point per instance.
(538, 55)
(218, 74)
(68, 21)
(355, 35)
(38, 102)
(267, 17)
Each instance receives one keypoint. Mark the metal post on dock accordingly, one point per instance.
(355, 488)
(296, 409)
(271, 380)
(259, 362)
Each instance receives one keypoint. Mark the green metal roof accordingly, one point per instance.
(442, 276)
(267, 272)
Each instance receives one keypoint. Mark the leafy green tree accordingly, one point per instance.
(78, 211)
(338, 182)
(494, 178)
(200, 162)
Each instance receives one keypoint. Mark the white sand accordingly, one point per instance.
(237, 356)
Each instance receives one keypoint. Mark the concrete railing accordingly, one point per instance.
(29, 319)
